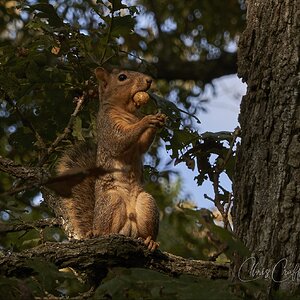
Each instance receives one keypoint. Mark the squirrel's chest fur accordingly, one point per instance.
(123, 162)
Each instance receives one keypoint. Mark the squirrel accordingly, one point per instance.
(115, 202)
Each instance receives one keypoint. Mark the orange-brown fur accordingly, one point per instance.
(82, 156)
(116, 202)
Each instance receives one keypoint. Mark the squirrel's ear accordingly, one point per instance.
(101, 74)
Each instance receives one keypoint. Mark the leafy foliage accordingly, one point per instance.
(141, 284)
(53, 283)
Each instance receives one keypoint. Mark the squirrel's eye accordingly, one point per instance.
(122, 77)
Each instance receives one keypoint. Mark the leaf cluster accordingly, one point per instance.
(53, 283)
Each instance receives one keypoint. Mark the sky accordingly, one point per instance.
(222, 115)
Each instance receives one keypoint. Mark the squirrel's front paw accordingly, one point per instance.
(162, 118)
(157, 120)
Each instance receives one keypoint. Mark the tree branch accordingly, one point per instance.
(10, 167)
(92, 256)
(196, 70)
(61, 184)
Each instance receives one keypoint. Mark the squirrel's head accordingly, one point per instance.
(119, 87)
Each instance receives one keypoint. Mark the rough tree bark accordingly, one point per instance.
(94, 256)
(267, 181)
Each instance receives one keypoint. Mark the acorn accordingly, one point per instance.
(140, 98)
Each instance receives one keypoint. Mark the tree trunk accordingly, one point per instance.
(267, 182)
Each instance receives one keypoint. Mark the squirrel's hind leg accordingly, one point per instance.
(147, 216)
(109, 214)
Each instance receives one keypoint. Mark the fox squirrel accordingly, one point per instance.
(115, 202)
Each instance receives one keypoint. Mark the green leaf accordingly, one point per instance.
(147, 284)
(48, 12)
(230, 167)
(31, 243)
(221, 135)
(181, 138)
(169, 108)
(14, 288)
(77, 129)
(122, 26)
(117, 4)
(33, 72)
(231, 243)
(50, 278)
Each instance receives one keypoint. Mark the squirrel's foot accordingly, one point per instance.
(151, 244)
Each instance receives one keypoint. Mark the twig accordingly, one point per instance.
(6, 228)
(227, 210)
(216, 185)
(20, 189)
(65, 132)
(109, 32)
(216, 176)
(158, 100)
(235, 135)
(144, 61)
(157, 19)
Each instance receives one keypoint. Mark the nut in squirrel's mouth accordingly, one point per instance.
(140, 98)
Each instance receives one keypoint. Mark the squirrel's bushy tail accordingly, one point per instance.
(79, 208)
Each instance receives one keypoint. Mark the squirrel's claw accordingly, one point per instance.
(151, 245)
